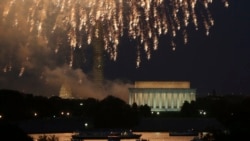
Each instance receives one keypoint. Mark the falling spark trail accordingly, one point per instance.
(143, 20)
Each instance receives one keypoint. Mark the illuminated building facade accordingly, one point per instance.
(161, 96)
(98, 57)
(65, 92)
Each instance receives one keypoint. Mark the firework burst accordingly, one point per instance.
(76, 23)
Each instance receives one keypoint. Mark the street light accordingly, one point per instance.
(86, 125)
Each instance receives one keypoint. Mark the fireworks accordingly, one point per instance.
(76, 23)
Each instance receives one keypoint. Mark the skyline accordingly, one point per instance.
(206, 61)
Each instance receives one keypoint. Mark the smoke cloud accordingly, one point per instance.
(39, 63)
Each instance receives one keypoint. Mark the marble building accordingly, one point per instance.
(162, 95)
(65, 91)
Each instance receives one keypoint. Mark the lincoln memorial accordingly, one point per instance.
(162, 95)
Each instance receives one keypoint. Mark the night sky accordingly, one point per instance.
(217, 63)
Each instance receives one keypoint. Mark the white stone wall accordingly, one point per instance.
(161, 99)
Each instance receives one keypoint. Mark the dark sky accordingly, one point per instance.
(31, 63)
(220, 61)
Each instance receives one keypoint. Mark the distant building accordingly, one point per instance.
(65, 92)
(98, 57)
(162, 95)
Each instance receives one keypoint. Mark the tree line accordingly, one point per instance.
(16, 106)
(231, 110)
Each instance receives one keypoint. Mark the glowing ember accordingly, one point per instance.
(50, 22)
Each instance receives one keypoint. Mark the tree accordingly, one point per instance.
(189, 109)
(145, 110)
(113, 112)
(12, 132)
